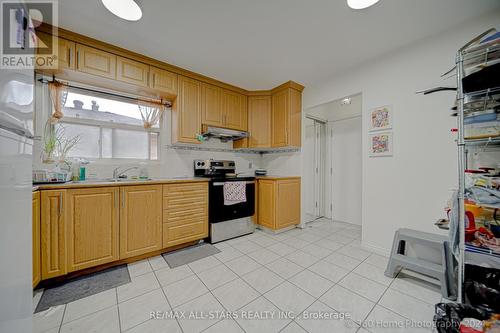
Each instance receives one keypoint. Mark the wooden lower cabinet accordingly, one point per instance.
(75, 229)
(53, 233)
(92, 227)
(140, 220)
(36, 274)
(185, 213)
(279, 203)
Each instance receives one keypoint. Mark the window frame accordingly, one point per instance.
(112, 126)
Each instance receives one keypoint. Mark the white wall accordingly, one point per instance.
(410, 188)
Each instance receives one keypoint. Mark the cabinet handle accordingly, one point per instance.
(153, 84)
(123, 198)
(69, 56)
(77, 58)
(60, 204)
(116, 198)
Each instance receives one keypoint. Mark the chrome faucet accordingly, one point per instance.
(117, 174)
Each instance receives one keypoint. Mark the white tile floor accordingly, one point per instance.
(299, 274)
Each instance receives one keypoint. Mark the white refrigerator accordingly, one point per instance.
(16, 143)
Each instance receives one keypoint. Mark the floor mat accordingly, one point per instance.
(189, 254)
(83, 286)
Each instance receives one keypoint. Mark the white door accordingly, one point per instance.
(346, 168)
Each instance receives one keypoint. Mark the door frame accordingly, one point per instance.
(320, 125)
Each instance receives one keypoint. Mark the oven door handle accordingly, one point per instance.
(222, 183)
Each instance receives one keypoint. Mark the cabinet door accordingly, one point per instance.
(295, 132)
(287, 203)
(92, 227)
(259, 121)
(266, 208)
(37, 275)
(67, 54)
(279, 115)
(95, 62)
(131, 71)
(186, 111)
(234, 110)
(163, 80)
(140, 220)
(66, 50)
(53, 246)
(211, 105)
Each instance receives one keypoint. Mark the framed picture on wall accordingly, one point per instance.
(381, 118)
(381, 144)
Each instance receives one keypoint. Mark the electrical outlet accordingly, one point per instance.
(250, 165)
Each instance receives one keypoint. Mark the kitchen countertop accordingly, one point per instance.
(103, 183)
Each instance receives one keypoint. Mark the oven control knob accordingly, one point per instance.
(202, 163)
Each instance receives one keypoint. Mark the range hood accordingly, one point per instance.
(223, 134)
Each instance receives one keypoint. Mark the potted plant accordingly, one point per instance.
(57, 145)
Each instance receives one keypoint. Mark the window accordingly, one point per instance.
(108, 127)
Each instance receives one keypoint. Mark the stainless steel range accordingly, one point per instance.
(227, 220)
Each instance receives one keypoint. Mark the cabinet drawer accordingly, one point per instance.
(182, 215)
(177, 234)
(182, 202)
(176, 189)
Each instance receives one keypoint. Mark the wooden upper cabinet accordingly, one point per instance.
(295, 112)
(286, 118)
(211, 110)
(66, 56)
(186, 111)
(163, 80)
(36, 275)
(131, 71)
(259, 121)
(234, 110)
(280, 119)
(92, 227)
(140, 220)
(223, 108)
(96, 62)
(52, 230)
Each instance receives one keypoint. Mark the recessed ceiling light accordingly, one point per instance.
(361, 4)
(126, 9)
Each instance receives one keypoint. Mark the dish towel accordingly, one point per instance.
(234, 193)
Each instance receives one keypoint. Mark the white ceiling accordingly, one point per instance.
(258, 44)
